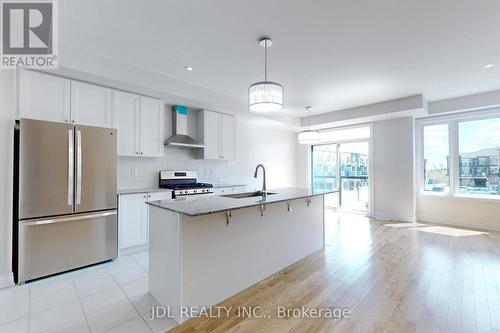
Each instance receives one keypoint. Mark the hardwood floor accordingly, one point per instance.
(393, 279)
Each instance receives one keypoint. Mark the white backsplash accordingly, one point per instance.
(134, 172)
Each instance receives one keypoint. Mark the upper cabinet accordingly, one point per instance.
(210, 134)
(44, 97)
(139, 119)
(217, 130)
(53, 98)
(151, 127)
(227, 137)
(128, 109)
(92, 105)
(140, 125)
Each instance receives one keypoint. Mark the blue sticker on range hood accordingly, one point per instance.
(181, 109)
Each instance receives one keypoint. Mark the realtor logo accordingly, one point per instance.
(29, 34)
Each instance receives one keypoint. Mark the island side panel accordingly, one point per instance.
(221, 260)
(165, 258)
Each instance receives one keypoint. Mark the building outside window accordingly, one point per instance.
(464, 160)
(436, 161)
(479, 153)
(324, 167)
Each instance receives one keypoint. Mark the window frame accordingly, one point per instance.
(454, 153)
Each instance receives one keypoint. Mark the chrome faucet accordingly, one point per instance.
(264, 190)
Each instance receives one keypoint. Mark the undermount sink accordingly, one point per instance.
(246, 195)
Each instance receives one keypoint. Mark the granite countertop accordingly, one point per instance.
(217, 204)
(142, 190)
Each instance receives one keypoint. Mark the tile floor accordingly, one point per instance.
(110, 297)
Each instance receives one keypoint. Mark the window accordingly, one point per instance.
(436, 151)
(479, 152)
(460, 154)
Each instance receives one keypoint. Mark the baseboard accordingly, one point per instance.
(6, 280)
(133, 249)
(386, 217)
(460, 222)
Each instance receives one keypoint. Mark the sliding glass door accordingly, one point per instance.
(353, 176)
(325, 171)
(342, 167)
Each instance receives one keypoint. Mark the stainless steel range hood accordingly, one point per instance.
(180, 139)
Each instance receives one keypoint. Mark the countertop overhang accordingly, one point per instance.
(217, 204)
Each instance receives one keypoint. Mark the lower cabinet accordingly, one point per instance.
(133, 219)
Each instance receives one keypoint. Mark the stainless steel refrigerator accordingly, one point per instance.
(65, 203)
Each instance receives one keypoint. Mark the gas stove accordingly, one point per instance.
(184, 183)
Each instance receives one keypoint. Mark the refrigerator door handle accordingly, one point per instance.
(71, 168)
(78, 167)
(67, 219)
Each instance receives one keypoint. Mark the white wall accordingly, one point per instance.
(7, 111)
(303, 178)
(275, 148)
(393, 191)
(475, 213)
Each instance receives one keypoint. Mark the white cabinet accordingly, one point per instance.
(139, 119)
(91, 105)
(211, 135)
(133, 218)
(53, 98)
(127, 106)
(217, 130)
(227, 137)
(151, 127)
(140, 125)
(44, 97)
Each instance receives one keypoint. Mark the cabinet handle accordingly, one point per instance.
(142, 153)
(66, 120)
(137, 153)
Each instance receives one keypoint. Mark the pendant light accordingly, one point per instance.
(309, 137)
(265, 96)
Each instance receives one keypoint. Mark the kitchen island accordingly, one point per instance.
(204, 250)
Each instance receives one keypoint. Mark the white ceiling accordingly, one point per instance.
(330, 54)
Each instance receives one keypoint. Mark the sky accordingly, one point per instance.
(473, 136)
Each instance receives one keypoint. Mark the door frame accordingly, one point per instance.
(369, 140)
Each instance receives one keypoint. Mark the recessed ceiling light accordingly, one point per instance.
(488, 66)
(188, 68)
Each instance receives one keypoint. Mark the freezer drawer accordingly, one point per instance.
(51, 246)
